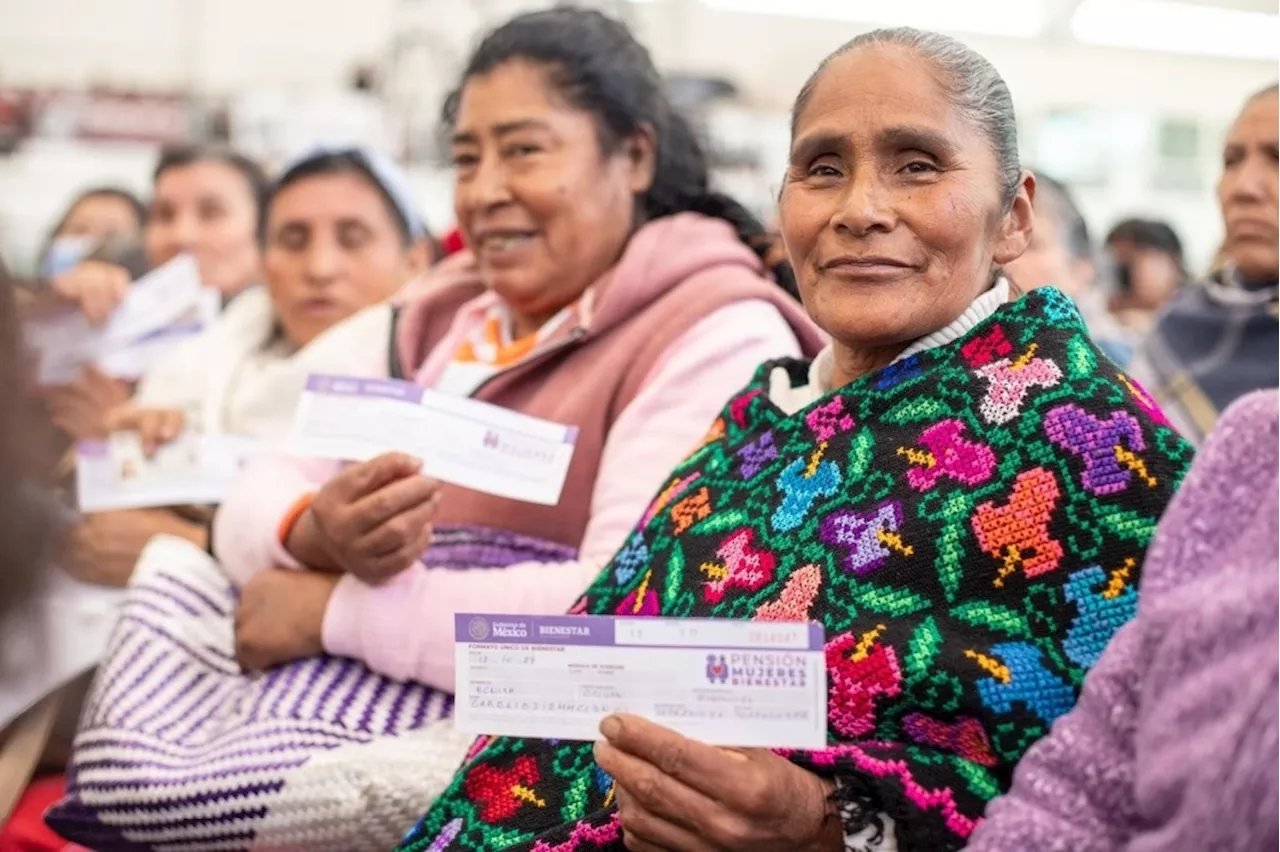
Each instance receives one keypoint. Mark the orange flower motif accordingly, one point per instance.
(691, 509)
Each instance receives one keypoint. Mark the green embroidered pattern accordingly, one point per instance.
(968, 524)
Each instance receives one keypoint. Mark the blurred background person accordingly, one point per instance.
(1146, 268)
(206, 201)
(1061, 255)
(340, 235)
(96, 215)
(1218, 339)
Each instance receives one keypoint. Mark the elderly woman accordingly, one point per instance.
(1217, 341)
(960, 490)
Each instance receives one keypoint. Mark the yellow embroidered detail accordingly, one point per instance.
(920, 457)
(1119, 579)
(863, 648)
(644, 587)
(527, 795)
(1025, 358)
(814, 460)
(714, 571)
(893, 541)
(995, 668)
(1135, 464)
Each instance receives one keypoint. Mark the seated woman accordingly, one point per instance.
(1173, 746)
(339, 237)
(616, 294)
(960, 490)
(1217, 340)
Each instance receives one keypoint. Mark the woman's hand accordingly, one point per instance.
(80, 408)
(96, 286)
(675, 793)
(281, 617)
(104, 547)
(372, 520)
(155, 426)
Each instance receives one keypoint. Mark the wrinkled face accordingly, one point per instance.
(1047, 262)
(544, 208)
(207, 209)
(892, 209)
(333, 247)
(100, 216)
(1247, 190)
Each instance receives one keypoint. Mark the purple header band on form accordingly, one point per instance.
(351, 386)
(92, 449)
(592, 630)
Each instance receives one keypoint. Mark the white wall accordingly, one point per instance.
(222, 47)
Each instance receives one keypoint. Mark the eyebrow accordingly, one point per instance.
(500, 130)
(891, 138)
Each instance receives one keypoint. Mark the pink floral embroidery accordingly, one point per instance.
(829, 419)
(744, 567)
(860, 669)
(796, 599)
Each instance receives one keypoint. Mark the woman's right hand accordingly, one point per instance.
(155, 426)
(373, 520)
(96, 286)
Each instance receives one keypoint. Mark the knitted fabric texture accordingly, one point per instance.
(178, 749)
(968, 524)
(1173, 745)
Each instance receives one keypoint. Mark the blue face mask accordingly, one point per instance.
(64, 253)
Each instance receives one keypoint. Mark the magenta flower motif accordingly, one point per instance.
(829, 419)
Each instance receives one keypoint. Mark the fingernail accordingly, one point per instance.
(611, 727)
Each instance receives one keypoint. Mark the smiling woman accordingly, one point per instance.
(959, 489)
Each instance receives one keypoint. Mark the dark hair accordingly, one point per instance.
(134, 204)
(598, 66)
(976, 88)
(1066, 216)
(28, 531)
(189, 155)
(1149, 234)
(338, 163)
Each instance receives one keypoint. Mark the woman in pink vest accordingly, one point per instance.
(604, 286)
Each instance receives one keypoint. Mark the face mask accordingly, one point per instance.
(64, 253)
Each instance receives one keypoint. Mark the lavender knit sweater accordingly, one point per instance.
(1173, 745)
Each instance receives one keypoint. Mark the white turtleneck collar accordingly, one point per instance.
(792, 399)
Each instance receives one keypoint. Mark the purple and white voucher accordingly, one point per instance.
(460, 440)
(723, 682)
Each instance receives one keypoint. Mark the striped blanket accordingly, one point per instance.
(180, 750)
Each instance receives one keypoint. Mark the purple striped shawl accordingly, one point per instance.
(180, 750)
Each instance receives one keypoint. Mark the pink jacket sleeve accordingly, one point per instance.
(245, 530)
(404, 628)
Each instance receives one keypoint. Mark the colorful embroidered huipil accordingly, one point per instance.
(969, 526)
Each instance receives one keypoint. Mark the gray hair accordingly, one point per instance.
(973, 83)
(1055, 198)
(1269, 92)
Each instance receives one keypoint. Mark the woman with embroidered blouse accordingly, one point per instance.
(960, 489)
